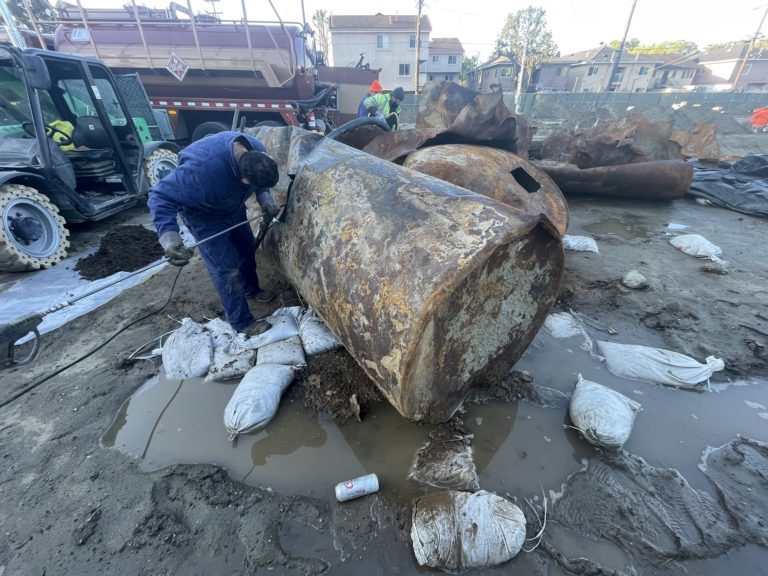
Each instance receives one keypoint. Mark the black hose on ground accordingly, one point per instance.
(357, 123)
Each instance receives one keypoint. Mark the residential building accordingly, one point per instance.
(677, 72)
(725, 68)
(384, 42)
(445, 58)
(589, 70)
(499, 73)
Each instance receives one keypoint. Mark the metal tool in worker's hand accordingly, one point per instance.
(12, 332)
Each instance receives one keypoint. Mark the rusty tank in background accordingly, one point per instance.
(498, 174)
(428, 285)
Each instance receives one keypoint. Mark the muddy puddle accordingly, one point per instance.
(520, 449)
(628, 227)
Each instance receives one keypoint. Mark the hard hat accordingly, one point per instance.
(375, 87)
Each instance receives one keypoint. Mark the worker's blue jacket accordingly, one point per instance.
(205, 185)
(206, 189)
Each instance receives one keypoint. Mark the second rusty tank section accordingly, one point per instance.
(495, 173)
(428, 285)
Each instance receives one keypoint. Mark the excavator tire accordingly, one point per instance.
(159, 164)
(32, 232)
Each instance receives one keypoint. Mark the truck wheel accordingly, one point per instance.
(32, 233)
(159, 164)
(208, 128)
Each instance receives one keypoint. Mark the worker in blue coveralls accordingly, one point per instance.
(208, 190)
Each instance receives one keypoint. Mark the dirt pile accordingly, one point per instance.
(126, 248)
(334, 384)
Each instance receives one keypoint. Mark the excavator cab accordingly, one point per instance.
(69, 151)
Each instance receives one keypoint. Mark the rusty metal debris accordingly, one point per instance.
(497, 174)
(631, 139)
(665, 179)
(448, 114)
(427, 284)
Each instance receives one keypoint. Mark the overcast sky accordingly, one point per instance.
(575, 24)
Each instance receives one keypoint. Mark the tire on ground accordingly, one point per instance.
(50, 249)
(159, 163)
(207, 128)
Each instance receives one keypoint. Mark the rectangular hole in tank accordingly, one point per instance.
(525, 180)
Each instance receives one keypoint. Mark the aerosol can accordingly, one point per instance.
(350, 489)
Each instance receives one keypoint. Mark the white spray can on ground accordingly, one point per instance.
(350, 489)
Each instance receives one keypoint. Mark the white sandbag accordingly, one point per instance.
(563, 325)
(579, 243)
(315, 335)
(698, 246)
(288, 352)
(445, 461)
(230, 358)
(634, 280)
(188, 352)
(457, 531)
(284, 325)
(604, 417)
(657, 365)
(256, 398)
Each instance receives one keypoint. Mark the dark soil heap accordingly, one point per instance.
(126, 248)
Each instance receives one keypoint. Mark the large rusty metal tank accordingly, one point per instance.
(428, 285)
(495, 173)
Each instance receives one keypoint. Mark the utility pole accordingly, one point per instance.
(749, 50)
(419, 5)
(617, 55)
(518, 96)
(13, 31)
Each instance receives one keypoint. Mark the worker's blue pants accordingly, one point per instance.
(230, 260)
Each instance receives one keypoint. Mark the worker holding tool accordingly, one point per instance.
(362, 111)
(208, 188)
(386, 106)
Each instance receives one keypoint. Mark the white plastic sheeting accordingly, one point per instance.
(256, 398)
(657, 365)
(603, 416)
(42, 290)
(579, 243)
(698, 246)
(457, 531)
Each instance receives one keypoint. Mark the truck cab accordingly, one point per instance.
(70, 150)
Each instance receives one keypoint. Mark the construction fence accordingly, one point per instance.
(733, 103)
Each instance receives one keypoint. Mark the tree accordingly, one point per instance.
(527, 29)
(467, 65)
(633, 46)
(320, 20)
(629, 45)
(40, 9)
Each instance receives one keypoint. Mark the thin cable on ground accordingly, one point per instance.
(34, 385)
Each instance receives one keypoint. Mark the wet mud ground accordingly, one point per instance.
(109, 468)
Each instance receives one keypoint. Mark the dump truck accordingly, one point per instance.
(204, 75)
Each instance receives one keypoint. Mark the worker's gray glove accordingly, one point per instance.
(372, 110)
(175, 251)
(269, 207)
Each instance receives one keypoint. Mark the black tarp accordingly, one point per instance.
(740, 186)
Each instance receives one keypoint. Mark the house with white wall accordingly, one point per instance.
(385, 42)
(445, 58)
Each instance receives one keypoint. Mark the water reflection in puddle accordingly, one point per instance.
(518, 448)
(627, 227)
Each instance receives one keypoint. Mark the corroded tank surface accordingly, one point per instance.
(495, 173)
(427, 284)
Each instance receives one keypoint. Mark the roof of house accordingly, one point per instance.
(497, 61)
(678, 61)
(599, 55)
(733, 51)
(445, 46)
(378, 22)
